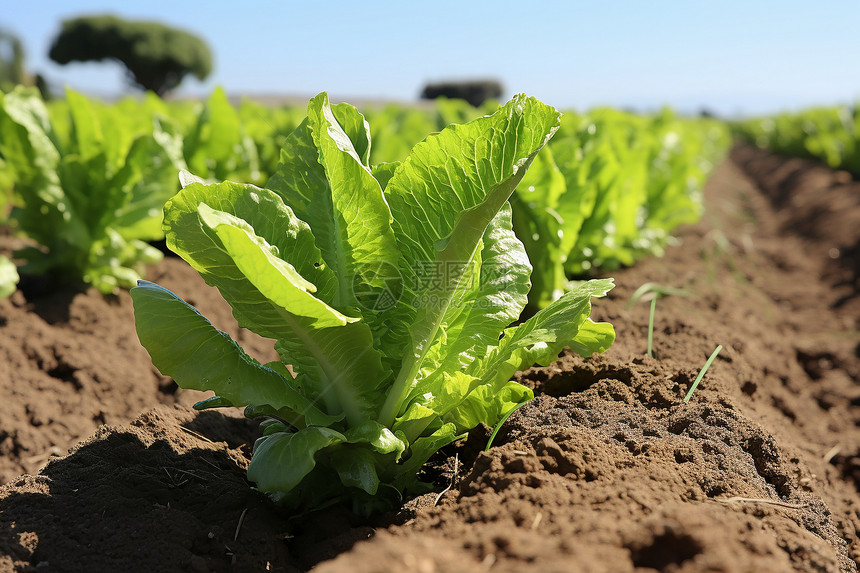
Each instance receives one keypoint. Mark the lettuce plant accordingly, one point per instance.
(830, 134)
(389, 292)
(91, 200)
(609, 190)
(216, 145)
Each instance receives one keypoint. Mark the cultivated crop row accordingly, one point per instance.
(389, 287)
(830, 134)
(84, 182)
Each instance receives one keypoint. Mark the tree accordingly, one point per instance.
(11, 61)
(13, 71)
(157, 57)
(475, 92)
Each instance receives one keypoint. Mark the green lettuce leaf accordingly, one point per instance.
(539, 226)
(187, 347)
(242, 240)
(470, 169)
(8, 277)
(324, 176)
(282, 460)
(540, 339)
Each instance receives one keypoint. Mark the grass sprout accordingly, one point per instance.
(702, 372)
(656, 291)
(501, 422)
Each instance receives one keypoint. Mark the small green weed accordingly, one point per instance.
(656, 291)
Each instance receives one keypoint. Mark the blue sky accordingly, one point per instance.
(732, 57)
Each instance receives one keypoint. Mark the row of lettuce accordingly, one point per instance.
(389, 274)
(84, 182)
(829, 134)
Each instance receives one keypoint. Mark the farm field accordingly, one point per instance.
(607, 470)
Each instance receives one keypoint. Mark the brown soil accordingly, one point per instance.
(608, 470)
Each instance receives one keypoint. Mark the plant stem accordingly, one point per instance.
(651, 327)
(702, 373)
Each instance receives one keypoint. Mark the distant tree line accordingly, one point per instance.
(475, 92)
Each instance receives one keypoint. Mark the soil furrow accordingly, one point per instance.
(607, 470)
